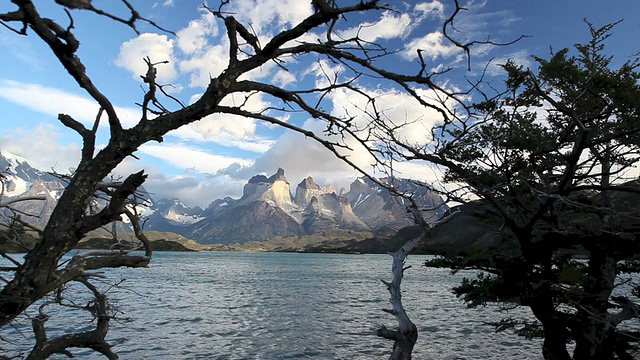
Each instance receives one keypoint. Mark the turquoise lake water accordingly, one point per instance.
(225, 305)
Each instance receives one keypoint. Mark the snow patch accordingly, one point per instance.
(361, 198)
(187, 219)
(54, 194)
(14, 159)
(19, 186)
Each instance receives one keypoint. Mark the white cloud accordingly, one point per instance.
(227, 130)
(41, 149)
(185, 157)
(213, 125)
(255, 144)
(324, 71)
(433, 46)
(283, 78)
(194, 38)
(431, 9)
(271, 15)
(300, 157)
(240, 127)
(201, 60)
(390, 25)
(396, 107)
(157, 47)
(192, 190)
(190, 187)
(205, 65)
(53, 101)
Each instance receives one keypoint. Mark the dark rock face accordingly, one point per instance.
(378, 208)
(256, 220)
(308, 183)
(258, 179)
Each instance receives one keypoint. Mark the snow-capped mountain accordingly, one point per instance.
(267, 208)
(171, 215)
(378, 208)
(22, 180)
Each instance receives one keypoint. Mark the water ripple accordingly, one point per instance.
(292, 306)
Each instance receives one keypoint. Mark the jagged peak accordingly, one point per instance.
(308, 183)
(278, 176)
(258, 179)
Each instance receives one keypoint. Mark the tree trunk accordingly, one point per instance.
(406, 335)
(595, 335)
(40, 273)
(554, 346)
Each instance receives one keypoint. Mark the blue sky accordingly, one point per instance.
(214, 157)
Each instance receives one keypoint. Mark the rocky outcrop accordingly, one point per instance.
(274, 190)
(313, 208)
(306, 190)
(174, 210)
(331, 211)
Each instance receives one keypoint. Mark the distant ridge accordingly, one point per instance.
(266, 210)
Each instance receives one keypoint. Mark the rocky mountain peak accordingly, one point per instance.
(278, 176)
(266, 208)
(274, 190)
(308, 183)
(308, 189)
(18, 167)
(330, 211)
(360, 185)
(258, 179)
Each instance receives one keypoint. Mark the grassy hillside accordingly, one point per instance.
(319, 240)
(101, 239)
(156, 245)
(152, 235)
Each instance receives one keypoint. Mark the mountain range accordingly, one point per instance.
(267, 209)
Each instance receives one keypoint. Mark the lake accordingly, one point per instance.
(226, 305)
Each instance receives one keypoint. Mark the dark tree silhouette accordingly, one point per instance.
(553, 156)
